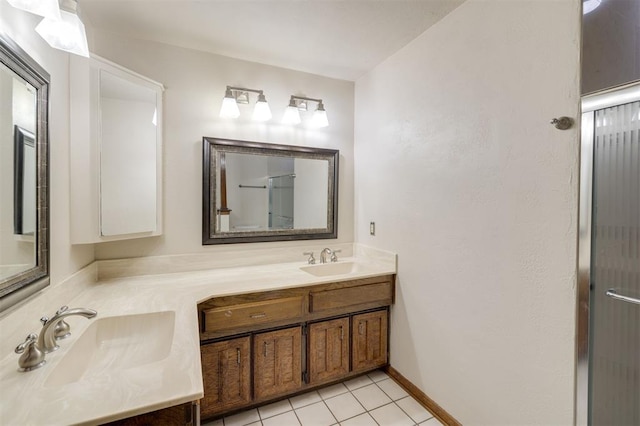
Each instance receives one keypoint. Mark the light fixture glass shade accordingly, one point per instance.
(229, 106)
(66, 34)
(291, 115)
(319, 118)
(261, 112)
(590, 6)
(46, 8)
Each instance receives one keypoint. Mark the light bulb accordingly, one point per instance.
(320, 117)
(291, 114)
(46, 8)
(229, 106)
(261, 112)
(66, 34)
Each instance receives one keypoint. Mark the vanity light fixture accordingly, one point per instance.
(66, 33)
(46, 8)
(300, 103)
(240, 95)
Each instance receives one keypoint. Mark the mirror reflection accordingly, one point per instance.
(24, 194)
(17, 174)
(263, 192)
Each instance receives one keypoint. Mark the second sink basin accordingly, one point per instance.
(328, 269)
(115, 343)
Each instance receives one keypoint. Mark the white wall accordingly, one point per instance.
(195, 83)
(466, 180)
(65, 258)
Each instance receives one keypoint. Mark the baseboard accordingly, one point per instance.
(422, 398)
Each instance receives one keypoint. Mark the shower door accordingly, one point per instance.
(614, 290)
(281, 201)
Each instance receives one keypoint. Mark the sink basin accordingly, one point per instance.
(328, 269)
(114, 344)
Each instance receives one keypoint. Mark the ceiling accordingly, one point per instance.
(335, 38)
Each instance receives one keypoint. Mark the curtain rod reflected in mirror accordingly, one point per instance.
(255, 192)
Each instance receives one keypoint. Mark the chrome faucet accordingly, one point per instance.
(324, 253)
(51, 329)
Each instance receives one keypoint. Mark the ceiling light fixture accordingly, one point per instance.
(66, 33)
(590, 5)
(46, 8)
(235, 95)
(300, 103)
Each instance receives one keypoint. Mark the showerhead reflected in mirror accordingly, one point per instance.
(24, 249)
(263, 192)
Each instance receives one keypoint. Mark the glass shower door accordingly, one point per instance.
(614, 388)
(281, 201)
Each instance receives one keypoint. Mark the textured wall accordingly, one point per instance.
(195, 84)
(466, 180)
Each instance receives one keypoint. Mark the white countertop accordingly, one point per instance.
(27, 398)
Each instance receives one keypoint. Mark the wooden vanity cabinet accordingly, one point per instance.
(328, 350)
(369, 340)
(226, 370)
(277, 362)
(262, 346)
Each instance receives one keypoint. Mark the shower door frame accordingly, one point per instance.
(590, 104)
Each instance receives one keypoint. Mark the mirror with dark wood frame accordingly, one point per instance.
(266, 192)
(24, 175)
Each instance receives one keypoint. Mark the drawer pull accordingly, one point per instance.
(265, 349)
(341, 333)
(256, 316)
(238, 351)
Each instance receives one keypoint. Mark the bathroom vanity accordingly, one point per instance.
(262, 346)
(226, 332)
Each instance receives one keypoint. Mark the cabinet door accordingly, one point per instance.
(226, 368)
(369, 340)
(328, 350)
(277, 363)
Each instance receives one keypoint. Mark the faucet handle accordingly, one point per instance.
(334, 257)
(32, 357)
(311, 260)
(62, 329)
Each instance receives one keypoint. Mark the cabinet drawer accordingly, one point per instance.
(253, 313)
(347, 297)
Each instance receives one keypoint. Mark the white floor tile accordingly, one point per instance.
(274, 409)
(331, 391)
(305, 399)
(344, 406)
(255, 424)
(378, 375)
(391, 415)
(432, 422)
(243, 418)
(371, 397)
(287, 419)
(361, 420)
(358, 382)
(392, 389)
(315, 415)
(416, 411)
(218, 422)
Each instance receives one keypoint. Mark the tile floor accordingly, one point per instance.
(368, 400)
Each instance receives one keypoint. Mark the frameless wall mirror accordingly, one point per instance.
(24, 217)
(263, 192)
